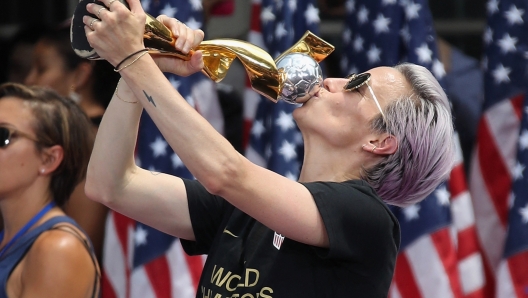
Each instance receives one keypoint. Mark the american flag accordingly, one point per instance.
(138, 260)
(497, 182)
(275, 141)
(439, 254)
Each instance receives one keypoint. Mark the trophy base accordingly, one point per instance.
(78, 39)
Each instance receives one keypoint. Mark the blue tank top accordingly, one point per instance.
(20, 248)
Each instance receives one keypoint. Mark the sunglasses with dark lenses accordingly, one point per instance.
(8, 133)
(356, 80)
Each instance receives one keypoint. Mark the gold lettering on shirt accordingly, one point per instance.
(218, 275)
(231, 282)
(248, 271)
(264, 291)
(230, 288)
(204, 295)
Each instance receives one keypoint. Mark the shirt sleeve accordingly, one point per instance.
(359, 225)
(208, 213)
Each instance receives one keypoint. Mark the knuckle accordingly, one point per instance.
(142, 15)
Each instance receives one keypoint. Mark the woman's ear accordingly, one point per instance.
(51, 159)
(82, 75)
(385, 145)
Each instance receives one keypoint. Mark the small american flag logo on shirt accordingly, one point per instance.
(277, 240)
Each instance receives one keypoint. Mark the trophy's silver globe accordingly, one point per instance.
(303, 77)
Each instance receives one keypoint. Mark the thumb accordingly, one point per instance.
(196, 62)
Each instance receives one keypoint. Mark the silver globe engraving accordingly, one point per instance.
(303, 77)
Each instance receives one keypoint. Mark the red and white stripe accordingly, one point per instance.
(512, 277)
(469, 256)
(116, 269)
(448, 262)
(490, 184)
(427, 268)
(174, 274)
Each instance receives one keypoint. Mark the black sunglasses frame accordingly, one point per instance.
(7, 133)
(356, 80)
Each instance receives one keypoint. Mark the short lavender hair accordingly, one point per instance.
(423, 126)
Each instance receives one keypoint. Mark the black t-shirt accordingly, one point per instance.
(247, 259)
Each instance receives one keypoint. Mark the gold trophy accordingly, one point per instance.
(294, 76)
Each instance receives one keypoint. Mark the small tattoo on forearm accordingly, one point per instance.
(150, 99)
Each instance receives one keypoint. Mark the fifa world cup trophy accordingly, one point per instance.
(294, 76)
(302, 77)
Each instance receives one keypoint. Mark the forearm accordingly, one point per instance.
(113, 178)
(112, 159)
(206, 153)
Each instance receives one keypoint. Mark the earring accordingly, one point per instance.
(42, 171)
(74, 95)
(371, 150)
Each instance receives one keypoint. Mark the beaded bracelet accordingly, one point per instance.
(117, 69)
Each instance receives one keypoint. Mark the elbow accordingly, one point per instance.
(225, 177)
(99, 187)
(93, 188)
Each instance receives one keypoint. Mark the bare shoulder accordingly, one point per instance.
(59, 263)
(60, 242)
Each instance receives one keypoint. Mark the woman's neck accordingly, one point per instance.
(319, 165)
(18, 209)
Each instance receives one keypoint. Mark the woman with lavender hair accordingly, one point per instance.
(380, 137)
